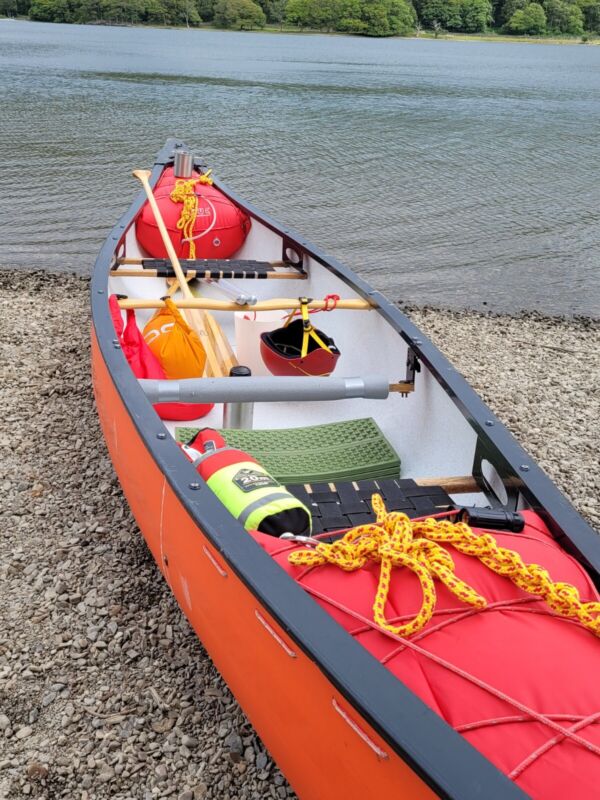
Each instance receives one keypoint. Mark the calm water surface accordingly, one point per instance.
(450, 173)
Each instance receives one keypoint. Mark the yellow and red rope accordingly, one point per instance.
(394, 540)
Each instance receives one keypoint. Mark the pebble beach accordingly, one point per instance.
(105, 691)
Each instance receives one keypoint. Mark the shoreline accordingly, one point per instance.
(426, 35)
(107, 692)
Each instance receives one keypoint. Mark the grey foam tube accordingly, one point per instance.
(264, 389)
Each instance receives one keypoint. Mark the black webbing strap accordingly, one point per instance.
(345, 505)
(212, 267)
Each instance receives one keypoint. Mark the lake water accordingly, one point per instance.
(450, 173)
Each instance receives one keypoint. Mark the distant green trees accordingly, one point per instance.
(241, 14)
(563, 17)
(362, 17)
(551, 16)
(590, 10)
(470, 16)
(14, 8)
(367, 17)
(133, 12)
(530, 20)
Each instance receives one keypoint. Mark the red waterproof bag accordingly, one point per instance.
(144, 364)
(517, 681)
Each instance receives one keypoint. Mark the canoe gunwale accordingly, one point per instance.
(440, 756)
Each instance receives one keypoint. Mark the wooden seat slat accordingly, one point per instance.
(215, 269)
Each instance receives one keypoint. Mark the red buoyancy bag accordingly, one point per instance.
(228, 224)
(517, 647)
(144, 364)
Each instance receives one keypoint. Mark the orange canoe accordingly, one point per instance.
(395, 419)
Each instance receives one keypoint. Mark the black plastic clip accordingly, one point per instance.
(494, 518)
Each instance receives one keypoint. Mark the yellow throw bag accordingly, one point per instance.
(174, 343)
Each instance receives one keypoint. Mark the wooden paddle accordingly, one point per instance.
(206, 327)
(173, 285)
(220, 343)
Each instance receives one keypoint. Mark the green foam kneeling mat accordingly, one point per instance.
(352, 450)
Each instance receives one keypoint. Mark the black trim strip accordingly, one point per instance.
(441, 757)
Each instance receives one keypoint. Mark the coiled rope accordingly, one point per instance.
(184, 193)
(396, 541)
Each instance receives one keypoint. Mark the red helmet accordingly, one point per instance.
(298, 348)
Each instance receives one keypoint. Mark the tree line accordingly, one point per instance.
(362, 17)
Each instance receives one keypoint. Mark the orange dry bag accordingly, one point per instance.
(174, 343)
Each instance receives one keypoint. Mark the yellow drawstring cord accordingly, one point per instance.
(396, 541)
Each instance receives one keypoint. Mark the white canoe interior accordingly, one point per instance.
(428, 432)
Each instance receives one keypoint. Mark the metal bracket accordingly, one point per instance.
(292, 255)
(413, 365)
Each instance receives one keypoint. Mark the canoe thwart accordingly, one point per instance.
(269, 389)
(403, 387)
(457, 484)
(283, 304)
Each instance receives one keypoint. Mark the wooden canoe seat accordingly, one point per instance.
(340, 505)
(211, 268)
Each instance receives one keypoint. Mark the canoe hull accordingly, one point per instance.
(321, 744)
(336, 720)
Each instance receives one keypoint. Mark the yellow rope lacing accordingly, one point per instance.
(396, 541)
(184, 193)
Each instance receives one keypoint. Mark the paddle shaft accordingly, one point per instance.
(142, 175)
(218, 354)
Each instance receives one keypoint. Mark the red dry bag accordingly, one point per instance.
(144, 364)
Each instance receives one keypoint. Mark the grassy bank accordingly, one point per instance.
(493, 36)
(488, 36)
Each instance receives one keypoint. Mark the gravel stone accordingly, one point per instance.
(106, 774)
(100, 674)
(233, 743)
(37, 771)
(261, 761)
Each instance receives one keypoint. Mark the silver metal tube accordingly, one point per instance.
(183, 164)
(270, 389)
(238, 415)
(233, 292)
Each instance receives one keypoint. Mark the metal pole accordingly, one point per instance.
(269, 389)
(238, 415)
